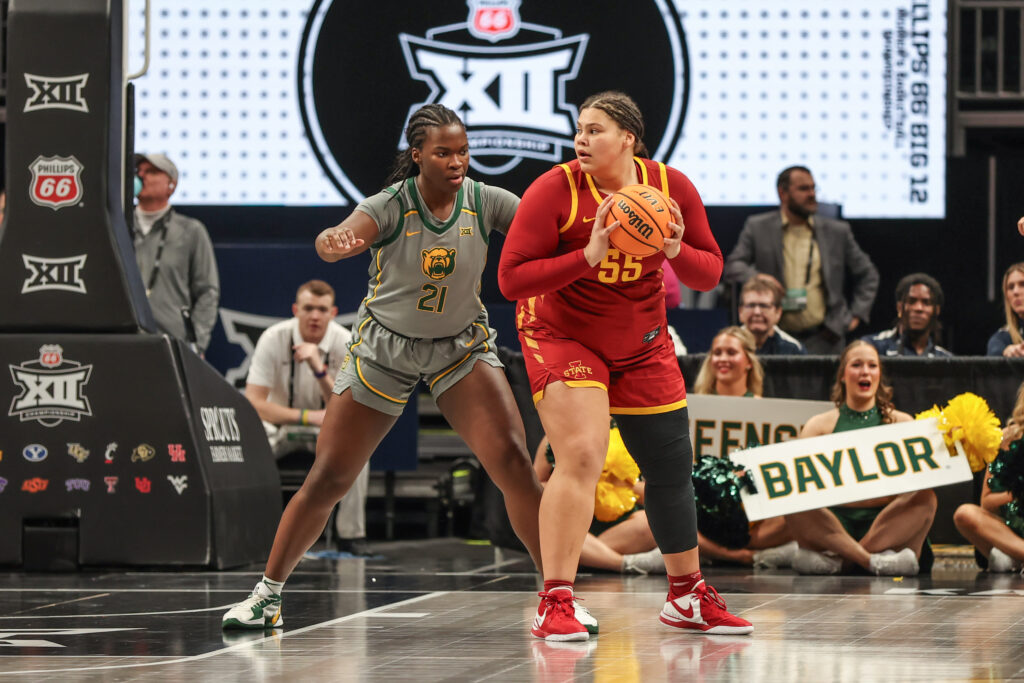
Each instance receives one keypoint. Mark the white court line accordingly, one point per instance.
(123, 614)
(236, 646)
(54, 604)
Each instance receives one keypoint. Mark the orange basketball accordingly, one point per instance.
(643, 214)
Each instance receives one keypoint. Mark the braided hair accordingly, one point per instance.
(623, 110)
(427, 116)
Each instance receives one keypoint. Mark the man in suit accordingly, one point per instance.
(811, 257)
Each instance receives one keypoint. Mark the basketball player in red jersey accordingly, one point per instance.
(591, 321)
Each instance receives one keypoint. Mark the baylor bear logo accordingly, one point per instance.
(438, 263)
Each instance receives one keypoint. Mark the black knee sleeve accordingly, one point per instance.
(660, 444)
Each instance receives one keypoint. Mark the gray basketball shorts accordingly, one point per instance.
(382, 367)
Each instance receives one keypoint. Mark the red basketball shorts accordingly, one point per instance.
(645, 383)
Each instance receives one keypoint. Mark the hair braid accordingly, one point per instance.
(427, 116)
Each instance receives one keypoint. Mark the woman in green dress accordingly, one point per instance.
(884, 536)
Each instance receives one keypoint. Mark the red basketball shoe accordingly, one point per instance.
(703, 611)
(556, 618)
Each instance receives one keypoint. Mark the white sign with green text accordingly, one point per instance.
(807, 474)
(722, 424)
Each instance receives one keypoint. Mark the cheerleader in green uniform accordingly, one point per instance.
(883, 536)
(996, 526)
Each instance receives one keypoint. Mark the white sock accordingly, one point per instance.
(274, 587)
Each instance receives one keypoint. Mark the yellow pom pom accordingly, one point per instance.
(614, 496)
(611, 501)
(968, 419)
(619, 463)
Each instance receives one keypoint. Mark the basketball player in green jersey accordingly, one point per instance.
(421, 319)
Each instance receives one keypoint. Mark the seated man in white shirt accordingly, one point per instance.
(291, 378)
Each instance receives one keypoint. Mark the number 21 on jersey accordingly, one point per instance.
(432, 300)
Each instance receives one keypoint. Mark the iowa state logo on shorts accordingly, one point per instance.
(514, 70)
(56, 181)
(438, 263)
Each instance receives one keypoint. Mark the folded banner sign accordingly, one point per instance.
(807, 474)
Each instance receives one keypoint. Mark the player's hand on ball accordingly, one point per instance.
(597, 247)
(673, 243)
(339, 240)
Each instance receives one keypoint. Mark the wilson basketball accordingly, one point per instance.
(643, 214)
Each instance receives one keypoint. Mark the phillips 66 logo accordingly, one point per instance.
(56, 181)
(514, 70)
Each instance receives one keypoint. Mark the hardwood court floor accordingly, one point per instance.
(443, 610)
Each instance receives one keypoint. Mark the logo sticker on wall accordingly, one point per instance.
(76, 484)
(180, 483)
(49, 274)
(56, 92)
(513, 70)
(111, 483)
(143, 453)
(51, 388)
(56, 181)
(34, 452)
(35, 485)
(78, 452)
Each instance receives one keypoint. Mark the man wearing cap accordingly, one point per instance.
(175, 257)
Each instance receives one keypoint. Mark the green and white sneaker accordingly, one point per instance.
(584, 616)
(258, 611)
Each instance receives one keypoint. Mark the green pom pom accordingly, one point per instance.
(720, 514)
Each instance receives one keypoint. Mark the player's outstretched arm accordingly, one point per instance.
(352, 236)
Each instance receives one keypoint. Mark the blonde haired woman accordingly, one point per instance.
(731, 367)
(1008, 340)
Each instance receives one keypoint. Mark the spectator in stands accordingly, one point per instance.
(291, 376)
(1008, 340)
(998, 540)
(624, 544)
(760, 310)
(175, 257)
(919, 300)
(884, 536)
(810, 257)
(731, 367)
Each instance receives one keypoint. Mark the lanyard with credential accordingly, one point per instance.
(159, 253)
(810, 260)
(291, 377)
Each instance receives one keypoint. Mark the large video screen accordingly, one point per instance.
(264, 102)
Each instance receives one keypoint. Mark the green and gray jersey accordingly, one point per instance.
(425, 272)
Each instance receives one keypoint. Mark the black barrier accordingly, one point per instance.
(122, 447)
(154, 464)
(918, 383)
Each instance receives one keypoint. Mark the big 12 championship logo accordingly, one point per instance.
(514, 70)
(51, 388)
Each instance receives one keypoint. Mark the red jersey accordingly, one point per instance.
(616, 308)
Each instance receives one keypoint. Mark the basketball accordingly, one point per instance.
(643, 214)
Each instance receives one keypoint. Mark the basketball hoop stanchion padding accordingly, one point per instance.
(108, 428)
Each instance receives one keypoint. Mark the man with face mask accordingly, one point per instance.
(811, 257)
(175, 256)
(918, 302)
